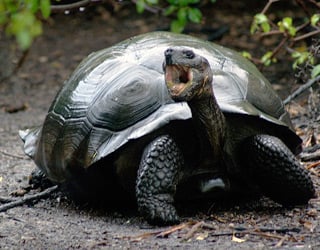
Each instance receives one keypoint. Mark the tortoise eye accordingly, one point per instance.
(189, 54)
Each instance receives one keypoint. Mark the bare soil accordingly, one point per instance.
(57, 223)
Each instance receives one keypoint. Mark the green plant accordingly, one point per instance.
(293, 33)
(184, 11)
(20, 19)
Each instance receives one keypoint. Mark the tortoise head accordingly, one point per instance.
(187, 75)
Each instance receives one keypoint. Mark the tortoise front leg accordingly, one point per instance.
(270, 165)
(157, 179)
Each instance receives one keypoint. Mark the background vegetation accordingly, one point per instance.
(299, 36)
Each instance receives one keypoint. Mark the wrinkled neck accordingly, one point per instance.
(210, 122)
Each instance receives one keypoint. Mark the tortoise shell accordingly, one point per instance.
(119, 94)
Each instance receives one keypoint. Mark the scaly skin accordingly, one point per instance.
(268, 162)
(157, 179)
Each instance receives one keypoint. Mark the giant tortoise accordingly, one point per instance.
(139, 119)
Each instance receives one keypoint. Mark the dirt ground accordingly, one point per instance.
(57, 223)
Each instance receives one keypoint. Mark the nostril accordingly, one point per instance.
(168, 52)
(168, 55)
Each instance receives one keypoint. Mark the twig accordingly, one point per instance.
(64, 7)
(312, 33)
(271, 33)
(13, 155)
(280, 242)
(301, 89)
(193, 229)
(28, 198)
(279, 230)
(268, 230)
(313, 165)
(142, 236)
(148, 8)
(278, 48)
(270, 2)
(6, 199)
(267, 235)
(315, 3)
(311, 149)
(173, 229)
(161, 234)
(310, 156)
(303, 6)
(302, 26)
(18, 65)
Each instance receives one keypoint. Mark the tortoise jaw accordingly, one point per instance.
(178, 78)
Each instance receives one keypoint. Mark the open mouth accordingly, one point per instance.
(178, 78)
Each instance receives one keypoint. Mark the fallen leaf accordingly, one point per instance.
(236, 239)
(202, 236)
(308, 225)
(19, 192)
(16, 108)
(312, 212)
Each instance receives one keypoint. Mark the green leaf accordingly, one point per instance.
(246, 54)
(286, 25)
(45, 8)
(3, 18)
(24, 39)
(177, 26)
(194, 1)
(300, 57)
(287, 22)
(32, 5)
(173, 2)
(265, 27)
(36, 28)
(152, 2)
(267, 59)
(315, 19)
(140, 4)
(3, 15)
(182, 15)
(292, 31)
(260, 20)
(254, 27)
(25, 27)
(194, 15)
(315, 71)
(11, 6)
(171, 9)
(183, 3)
